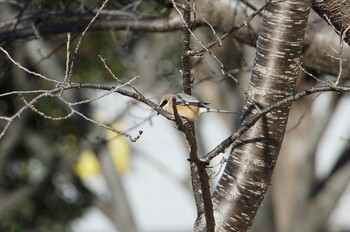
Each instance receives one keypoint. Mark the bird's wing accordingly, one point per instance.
(185, 100)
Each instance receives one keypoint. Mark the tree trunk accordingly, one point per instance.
(247, 174)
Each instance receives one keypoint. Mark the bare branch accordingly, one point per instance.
(70, 72)
(27, 70)
(246, 125)
(35, 110)
(341, 59)
(105, 94)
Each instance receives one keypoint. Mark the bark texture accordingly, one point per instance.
(337, 13)
(249, 168)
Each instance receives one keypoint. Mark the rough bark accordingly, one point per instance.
(337, 13)
(249, 168)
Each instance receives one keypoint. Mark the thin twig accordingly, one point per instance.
(70, 71)
(313, 76)
(114, 76)
(109, 70)
(342, 38)
(229, 32)
(42, 114)
(109, 127)
(113, 90)
(27, 70)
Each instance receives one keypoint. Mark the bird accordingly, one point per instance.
(187, 106)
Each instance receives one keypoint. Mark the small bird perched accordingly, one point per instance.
(187, 106)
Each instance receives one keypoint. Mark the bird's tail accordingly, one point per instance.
(208, 110)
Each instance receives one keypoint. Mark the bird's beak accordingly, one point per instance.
(158, 112)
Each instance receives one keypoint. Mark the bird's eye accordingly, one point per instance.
(163, 103)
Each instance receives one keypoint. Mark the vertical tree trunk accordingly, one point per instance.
(249, 168)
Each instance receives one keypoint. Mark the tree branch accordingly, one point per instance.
(336, 13)
(199, 176)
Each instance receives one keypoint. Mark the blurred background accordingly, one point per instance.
(74, 175)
